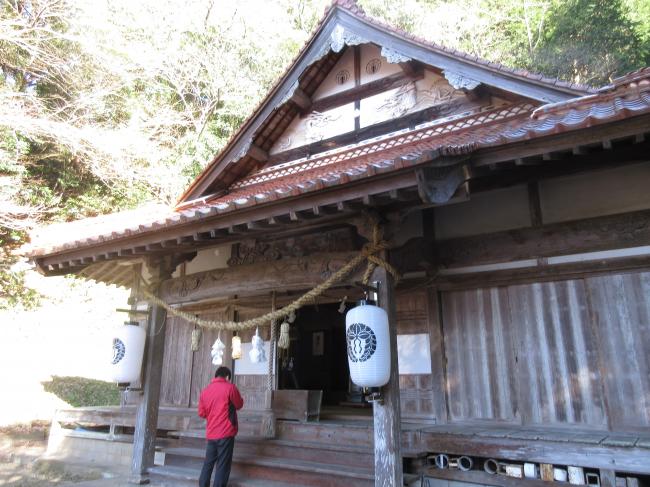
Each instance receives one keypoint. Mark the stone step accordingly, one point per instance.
(188, 477)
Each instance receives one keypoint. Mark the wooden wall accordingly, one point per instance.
(252, 387)
(568, 353)
(564, 353)
(416, 390)
(186, 373)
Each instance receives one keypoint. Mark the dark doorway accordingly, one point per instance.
(317, 358)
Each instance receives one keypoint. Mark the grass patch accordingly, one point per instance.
(82, 392)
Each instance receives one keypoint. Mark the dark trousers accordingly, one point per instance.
(217, 452)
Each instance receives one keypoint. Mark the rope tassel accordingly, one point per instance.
(283, 341)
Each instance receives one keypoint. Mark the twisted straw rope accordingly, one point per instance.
(367, 253)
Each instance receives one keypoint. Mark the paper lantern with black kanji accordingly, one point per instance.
(128, 350)
(368, 340)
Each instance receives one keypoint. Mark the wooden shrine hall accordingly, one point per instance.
(515, 209)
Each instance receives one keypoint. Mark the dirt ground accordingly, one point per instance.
(21, 465)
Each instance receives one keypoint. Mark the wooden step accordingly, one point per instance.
(333, 433)
(342, 455)
(292, 472)
(280, 470)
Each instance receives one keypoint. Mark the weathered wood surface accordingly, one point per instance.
(177, 363)
(203, 369)
(594, 234)
(300, 405)
(438, 363)
(264, 277)
(620, 308)
(481, 364)
(387, 414)
(478, 478)
(168, 419)
(467, 442)
(564, 353)
(416, 390)
(559, 374)
(146, 424)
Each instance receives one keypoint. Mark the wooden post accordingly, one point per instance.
(146, 422)
(607, 478)
(387, 415)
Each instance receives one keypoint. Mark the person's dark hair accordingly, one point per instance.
(223, 372)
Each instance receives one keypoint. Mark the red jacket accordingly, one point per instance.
(218, 404)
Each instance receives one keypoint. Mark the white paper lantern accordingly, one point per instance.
(128, 350)
(366, 329)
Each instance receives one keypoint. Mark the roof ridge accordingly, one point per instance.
(533, 76)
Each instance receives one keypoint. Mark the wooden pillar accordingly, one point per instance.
(607, 478)
(146, 422)
(387, 415)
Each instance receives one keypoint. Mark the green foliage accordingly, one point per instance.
(591, 41)
(81, 392)
(13, 292)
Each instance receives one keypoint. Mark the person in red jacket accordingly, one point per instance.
(218, 404)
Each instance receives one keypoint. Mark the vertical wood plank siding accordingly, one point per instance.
(203, 368)
(479, 353)
(559, 377)
(177, 364)
(621, 315)
(416, 391)
(252, 387)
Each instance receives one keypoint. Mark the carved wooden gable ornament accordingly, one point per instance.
(357, 79)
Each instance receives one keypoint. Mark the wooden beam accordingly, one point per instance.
(146, 423)
(587, 455)
(299, 273)
(329, 197)
(534, 204)
(607, 478)
(589, 235)
(301, 100)
(357, 84)
(257, 153)
(366, 133)
(363, 91)
(387, 413)
(411, 69)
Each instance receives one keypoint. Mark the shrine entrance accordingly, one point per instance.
(317, 356)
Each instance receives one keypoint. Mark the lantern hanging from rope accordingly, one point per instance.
(257, 353)
(368, 340)
(128, 349)
(217, 351)
(236, 347)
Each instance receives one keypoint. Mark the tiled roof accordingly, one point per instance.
(352, 7)
(381, 155)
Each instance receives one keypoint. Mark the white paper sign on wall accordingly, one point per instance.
(414, 354)
(244, 365)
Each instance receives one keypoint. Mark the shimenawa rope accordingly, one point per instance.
(367, 253)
